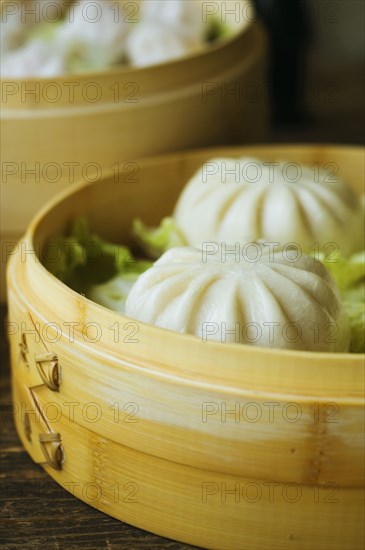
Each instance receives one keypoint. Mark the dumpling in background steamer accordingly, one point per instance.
(95, 35)
(184, 17)
(33, 59)
(184, 293)
(226, 201)
(13, 29)
(18, 18)
(29, 49)
(92, 45)
(167, 30)
(151, 43)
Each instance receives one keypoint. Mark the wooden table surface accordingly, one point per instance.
(36, 513)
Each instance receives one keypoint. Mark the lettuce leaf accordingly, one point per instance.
(349, 274)
(354, 302)
(45, 31)
(217, 29)
(346, 271)
(154, 241)
(83, 260)
(113, 294)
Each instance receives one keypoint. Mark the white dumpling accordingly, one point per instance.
(274, 300)
(42, 50)
(12, 30)
(152, 43)
(18, 18)
(242, 200)
(35, 59)
(13, 25)
(183, 17)
(93, 35)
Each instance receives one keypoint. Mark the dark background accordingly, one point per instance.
(316, 72)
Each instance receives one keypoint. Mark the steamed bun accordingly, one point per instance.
(242, 200)
(20, 16)
(167, 30)
(13, 27)
(34, 58)
(151, 43)
(183, 17)
(263, 295)
(88, 44)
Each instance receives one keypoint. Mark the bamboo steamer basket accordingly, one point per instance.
(135, 420)
(60, 131)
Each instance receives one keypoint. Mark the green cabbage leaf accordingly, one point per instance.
(92, 266)
(154, 241)
(349, 274)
